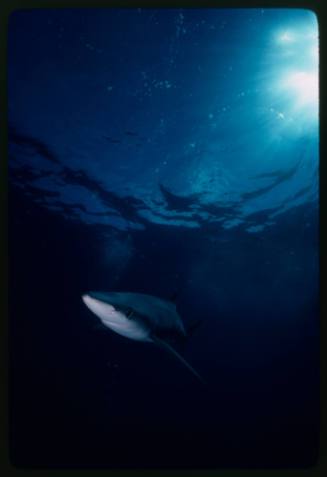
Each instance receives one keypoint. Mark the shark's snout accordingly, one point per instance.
(85, 298)
(91, 303)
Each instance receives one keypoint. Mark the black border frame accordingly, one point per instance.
(7, 7)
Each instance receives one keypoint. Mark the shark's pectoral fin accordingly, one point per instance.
(166, 346)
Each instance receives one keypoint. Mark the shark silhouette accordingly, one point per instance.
(140, 317)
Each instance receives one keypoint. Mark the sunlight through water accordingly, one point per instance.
(297, 77)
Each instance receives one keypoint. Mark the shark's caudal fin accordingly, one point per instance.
(169, 348)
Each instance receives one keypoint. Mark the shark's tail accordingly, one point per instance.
(169, 348)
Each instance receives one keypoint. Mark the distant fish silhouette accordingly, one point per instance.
(112, 140)
(131, 133)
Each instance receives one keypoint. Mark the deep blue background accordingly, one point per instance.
(151, 159)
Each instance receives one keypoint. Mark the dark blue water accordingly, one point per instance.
(156, 151)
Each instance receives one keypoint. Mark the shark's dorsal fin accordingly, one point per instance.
(166, 346)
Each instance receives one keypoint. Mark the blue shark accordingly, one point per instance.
(140, 317)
